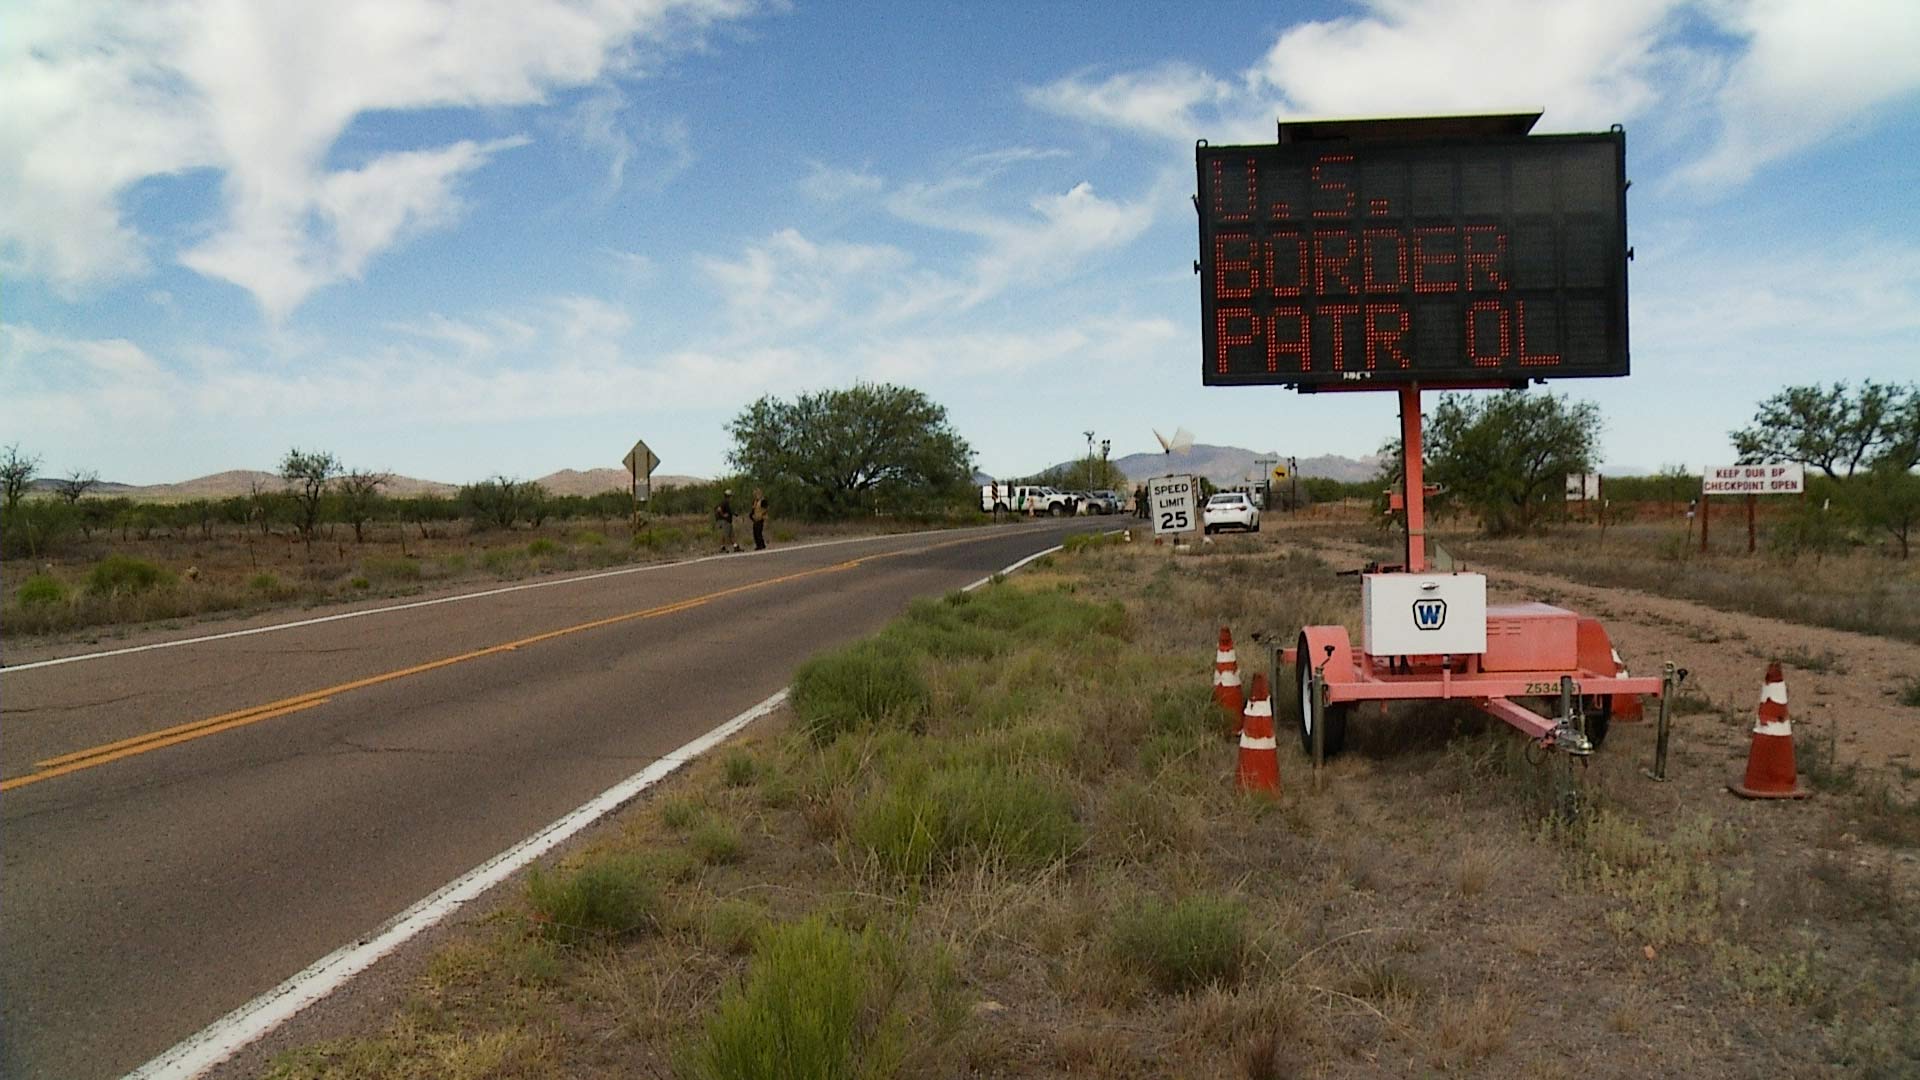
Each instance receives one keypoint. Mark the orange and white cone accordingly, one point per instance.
(1226, 680)
(1770, 768)
(1259, 750)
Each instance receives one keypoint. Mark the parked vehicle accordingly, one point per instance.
(1101, 502)
(1025, 498)
(1230, 510)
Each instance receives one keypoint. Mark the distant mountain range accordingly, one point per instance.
(244, 481)
(1227, 465)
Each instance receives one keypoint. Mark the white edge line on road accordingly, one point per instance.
(220, 1040)
(77, 657)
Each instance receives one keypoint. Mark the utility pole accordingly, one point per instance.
(1089, 436)
(1106, 446)
(1293, 479)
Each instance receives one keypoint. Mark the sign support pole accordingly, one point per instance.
(1751, 499)
(1706, 515)
(1411, 465)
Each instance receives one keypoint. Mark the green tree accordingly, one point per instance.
(1835, 429)
(76, 484)
(1503, 456)
(360, 498)
(867, 447)
(1887, 497)
(501, 500)
(308, 476)
(16, 473)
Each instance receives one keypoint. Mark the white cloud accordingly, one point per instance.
(788, 282)
(1773, 77)
(1589, 62)
(1160, 102)
(102, 96)
(1049, 244)
(1852, 310)
(1809, 71)
(824, 183)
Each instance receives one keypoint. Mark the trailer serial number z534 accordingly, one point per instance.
(1489, 258)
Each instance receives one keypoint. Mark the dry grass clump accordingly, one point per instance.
(608, 897)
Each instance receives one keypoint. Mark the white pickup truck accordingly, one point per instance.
(1027, 498)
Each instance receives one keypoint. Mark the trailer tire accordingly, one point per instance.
(1599, 709)
(1335, 715)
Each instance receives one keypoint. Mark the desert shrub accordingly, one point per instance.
(731, 925)
(801, 1011)
(1181, 946)
(389, 568)
(541, 548)
(715, 842)
(866, 685)
(679, 814)
(502, 560)
(739, 768)
(41, 591)
(609, 896)
(125, 575)
(264, 583)
(590, 538)
(359, 583)
(918, 827)
(1909, 692)
(650, 539)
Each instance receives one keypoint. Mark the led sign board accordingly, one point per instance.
(1460, 260)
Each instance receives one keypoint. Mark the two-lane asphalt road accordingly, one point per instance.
(185, 826)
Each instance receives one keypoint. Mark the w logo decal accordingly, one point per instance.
(1429, 614)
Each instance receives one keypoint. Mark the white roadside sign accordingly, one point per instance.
(1781, 479)
(1173, 503)
(1583, 486)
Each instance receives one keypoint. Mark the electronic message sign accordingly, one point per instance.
(1350, 263)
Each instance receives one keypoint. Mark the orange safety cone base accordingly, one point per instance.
(1263, 780)
(1740, 788)
(1627, 709)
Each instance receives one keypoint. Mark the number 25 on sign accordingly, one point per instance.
(1172, 501)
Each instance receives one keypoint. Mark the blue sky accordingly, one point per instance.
(458, 239)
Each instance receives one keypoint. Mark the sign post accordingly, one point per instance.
(1775, 478)
(640, 463)
(1173, 499)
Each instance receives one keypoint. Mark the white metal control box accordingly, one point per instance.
(1423, 614)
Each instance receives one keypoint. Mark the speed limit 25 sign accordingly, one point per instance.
(1171, 500)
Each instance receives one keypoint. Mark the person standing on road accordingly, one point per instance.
(1140, 501)
(723, 517)
(757, 514)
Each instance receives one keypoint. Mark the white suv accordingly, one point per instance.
(1230, 510)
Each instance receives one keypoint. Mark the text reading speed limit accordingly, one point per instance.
(1171, 499)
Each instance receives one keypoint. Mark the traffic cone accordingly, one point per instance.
(1226, 680)
(1770, 768)
(1259, 752)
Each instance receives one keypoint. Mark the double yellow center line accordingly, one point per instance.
(213, 725)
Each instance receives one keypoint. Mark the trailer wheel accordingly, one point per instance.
(1599, 709)
(1335, 715)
